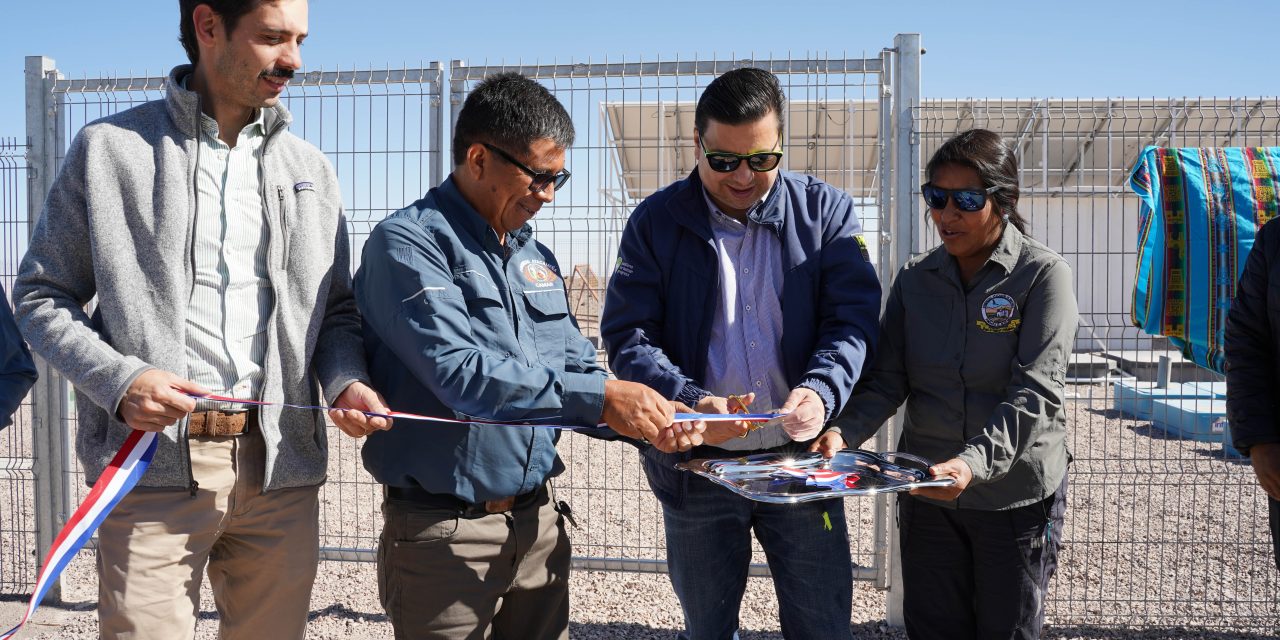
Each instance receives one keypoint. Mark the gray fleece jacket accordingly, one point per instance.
(118, 225)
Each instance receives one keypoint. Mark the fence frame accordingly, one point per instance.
(900, 232)
(46, 120)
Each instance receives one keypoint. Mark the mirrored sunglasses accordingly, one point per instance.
(968, 200)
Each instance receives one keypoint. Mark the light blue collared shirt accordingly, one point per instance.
(745, 354)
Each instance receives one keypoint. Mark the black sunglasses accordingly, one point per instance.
(540, 179)
(725, 162)
(966, 199)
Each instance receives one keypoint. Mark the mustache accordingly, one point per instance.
(286, 74)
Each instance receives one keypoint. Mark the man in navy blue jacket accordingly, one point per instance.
(744, 281)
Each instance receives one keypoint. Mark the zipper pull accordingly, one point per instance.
(193, 487)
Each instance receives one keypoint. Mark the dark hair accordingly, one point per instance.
(997, 166)
(511, 112)
(230, 10)
(738, 97)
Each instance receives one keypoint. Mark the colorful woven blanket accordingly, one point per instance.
(1200, 211)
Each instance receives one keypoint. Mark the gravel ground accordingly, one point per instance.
(1165, 539)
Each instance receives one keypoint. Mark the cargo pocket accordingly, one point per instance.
(549, 311)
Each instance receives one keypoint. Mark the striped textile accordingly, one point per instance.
(115, 482)
(1200, 211)
(231, 299)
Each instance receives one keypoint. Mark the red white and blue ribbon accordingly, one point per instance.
(400, 415)
(135, 456)
(119, 477)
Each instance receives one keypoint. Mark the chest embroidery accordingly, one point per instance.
(997, 314)
(538, 273)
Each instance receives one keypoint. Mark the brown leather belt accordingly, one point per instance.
(465, 509)
(216, 424)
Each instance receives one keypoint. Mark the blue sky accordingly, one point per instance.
(975, 49)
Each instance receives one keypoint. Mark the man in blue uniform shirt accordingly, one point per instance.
(794, 306)
(465, 315)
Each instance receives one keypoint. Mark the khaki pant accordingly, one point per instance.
(261, 551)
(502, 576)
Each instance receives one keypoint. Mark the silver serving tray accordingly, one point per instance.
(788, 479)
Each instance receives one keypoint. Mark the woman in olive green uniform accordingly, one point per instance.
(975, 339)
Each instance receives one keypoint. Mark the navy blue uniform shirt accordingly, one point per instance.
(458, 325)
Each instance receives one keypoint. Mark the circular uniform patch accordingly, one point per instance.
(537, 272)
(997, 314)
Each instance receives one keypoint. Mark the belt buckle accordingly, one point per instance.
(501, 505)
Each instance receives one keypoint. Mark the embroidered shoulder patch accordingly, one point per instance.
(998, 314)
(862, 246)
(622, 268)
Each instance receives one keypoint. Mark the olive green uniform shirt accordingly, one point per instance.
(982, 370)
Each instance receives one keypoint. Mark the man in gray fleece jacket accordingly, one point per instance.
(215, 244)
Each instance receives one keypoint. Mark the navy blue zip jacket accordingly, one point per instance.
(1253, 345)
(17, 371)
(659, 308)
(458, 325)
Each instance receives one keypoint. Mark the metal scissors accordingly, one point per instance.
(738, 404)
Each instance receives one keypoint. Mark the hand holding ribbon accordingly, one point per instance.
(805, 414)
(357, 411)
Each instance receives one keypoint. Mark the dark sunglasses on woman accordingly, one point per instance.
(969, 200)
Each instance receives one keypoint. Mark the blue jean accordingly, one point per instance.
(709, 552)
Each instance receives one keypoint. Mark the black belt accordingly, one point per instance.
(465, 509)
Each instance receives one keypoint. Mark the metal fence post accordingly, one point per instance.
(441, 131)
(905, 230)
(49, 394)
(457, 94)
(885, 265)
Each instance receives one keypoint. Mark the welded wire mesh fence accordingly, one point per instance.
(17, 482)
(1161, 530)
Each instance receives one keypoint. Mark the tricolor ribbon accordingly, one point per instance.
(119, 477)
(400, 415)
(134, 457)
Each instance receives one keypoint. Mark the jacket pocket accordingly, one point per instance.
(549, 311)
(478, 290)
